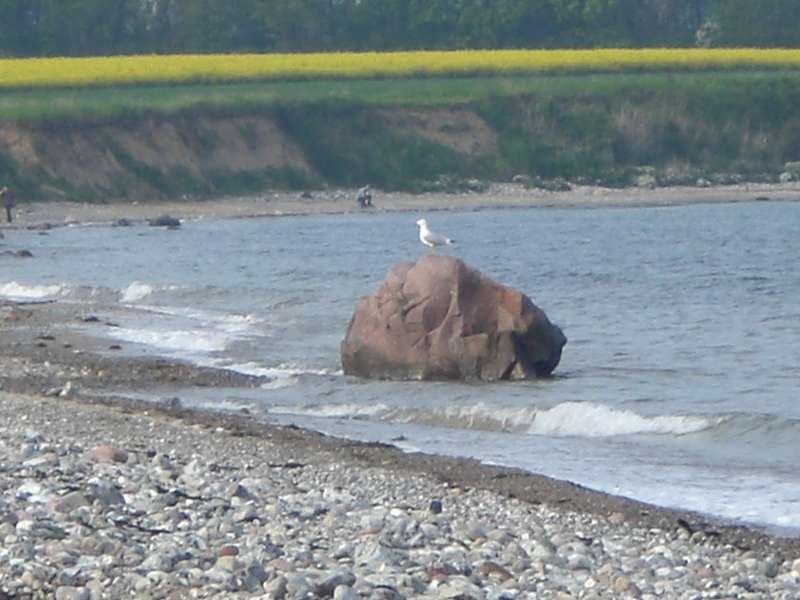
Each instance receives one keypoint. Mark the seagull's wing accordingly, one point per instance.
(437, 239)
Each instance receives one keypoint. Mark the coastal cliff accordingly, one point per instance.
(623, 139)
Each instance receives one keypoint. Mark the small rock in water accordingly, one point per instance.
(165, 221)
(436, 506)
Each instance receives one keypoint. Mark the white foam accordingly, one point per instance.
(282, 376)
(20, 291)
(241, 324)
(481, 416)
(135, 292)
(571, 419)
(586, 419)
(334, 411)
(232, 323)
(287, 370)
(175, 340)
(486, 416)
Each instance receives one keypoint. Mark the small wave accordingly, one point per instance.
(336, 411)
(571, 419)
(20, 291)
(586, 419)
(479, 416)
(279, 377)
(282, 376)
(138, 291)
(135, 292)
(59, 291)
(232, 323)
(568, 419)
(191, 341)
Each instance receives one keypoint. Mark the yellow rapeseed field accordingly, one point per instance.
(125, 70)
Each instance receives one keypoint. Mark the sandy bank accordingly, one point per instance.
(340, 201)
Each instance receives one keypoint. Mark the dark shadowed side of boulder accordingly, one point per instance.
(165, 221)
(441, 319)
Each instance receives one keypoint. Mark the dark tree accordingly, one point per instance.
(99, 27)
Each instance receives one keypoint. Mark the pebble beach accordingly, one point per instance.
(105, 498)
(103, 502)
(108, 498)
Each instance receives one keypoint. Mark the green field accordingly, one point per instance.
(111, 102)
(596, 128)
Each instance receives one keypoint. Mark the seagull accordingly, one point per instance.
(431, 238)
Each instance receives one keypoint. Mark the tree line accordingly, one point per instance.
(107, 27)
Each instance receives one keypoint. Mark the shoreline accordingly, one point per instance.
(58, 407)
(146, 473)
(79, 352)
(301, 511)
(285, 203)
(43, 356)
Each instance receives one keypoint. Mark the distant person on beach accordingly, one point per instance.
(364, 197)
(9, 201)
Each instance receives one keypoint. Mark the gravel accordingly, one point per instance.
(101, 501)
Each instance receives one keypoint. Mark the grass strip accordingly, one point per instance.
(99, 103)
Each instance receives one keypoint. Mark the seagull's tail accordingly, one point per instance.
(449, 241)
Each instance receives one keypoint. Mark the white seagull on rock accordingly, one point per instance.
(431, 238)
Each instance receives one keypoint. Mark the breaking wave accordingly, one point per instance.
(19, 291)
(586, 419)
(570, 419)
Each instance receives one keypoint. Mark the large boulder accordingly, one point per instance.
(442, 319)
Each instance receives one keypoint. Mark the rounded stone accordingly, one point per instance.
(622, 584)
(107, 454)
(72, 593)
(228, 550)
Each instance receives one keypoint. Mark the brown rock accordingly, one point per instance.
(492, 569)
(616, 518)
(70, 502)
(228, 550)
(228, 563)
(107, 453)
(441, 319)
(624, 585)
(442, 572)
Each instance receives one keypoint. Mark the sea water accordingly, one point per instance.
(678, 385)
